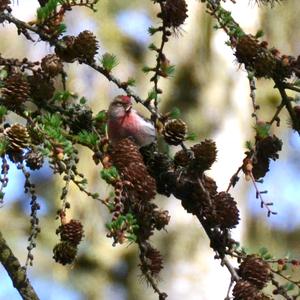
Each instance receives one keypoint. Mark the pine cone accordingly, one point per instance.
(260, 167)
(144, 186)
(66, 52)
(153, 260)
(86, 45)
(64, 253)
(42, 88)
(268, 147)
(52, 65)
(125, 152)
(17, 136)
(174, 13)
(210, 185)
(205, 154)
(264, 63)
(226, 211)
(158, 165)
(4, 4)
(197, 201)
(71, 232)
(247, 49)
(255, 270)
(16, 91)
(174, 131)
(244, 290)
(128, 160)
(34, 160)
(182, 158)
(161, 219)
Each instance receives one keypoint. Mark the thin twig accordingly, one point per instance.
(263, 203)
(252, 86)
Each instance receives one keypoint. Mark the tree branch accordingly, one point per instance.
(16, 272)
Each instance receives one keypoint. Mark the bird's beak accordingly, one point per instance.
(128, 108)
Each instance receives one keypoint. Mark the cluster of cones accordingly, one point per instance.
(71, 234)
(263, 61)
(134, 193)
(254, 275)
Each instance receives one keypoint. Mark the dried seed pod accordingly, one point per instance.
(86, 45)
(161, 219)
(42, 88)
(16, 91)
(174, 13)
(182, 158)
(17, 136)
(205, 154)
(269, 147)
(266, 149)
(264, 63)
(52, 65)
(71, 232)
(128, 160)
(255, 270)
(153, 260)
(64, 253)
(65, 49)
(34, 160)
(226, 211)
(246, 49)
(174, 131)
(244, 290)
(210, 185)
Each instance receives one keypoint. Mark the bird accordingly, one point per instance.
(125, 122)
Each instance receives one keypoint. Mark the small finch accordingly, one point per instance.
(124, 122)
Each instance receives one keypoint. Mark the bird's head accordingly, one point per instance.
(120, 106)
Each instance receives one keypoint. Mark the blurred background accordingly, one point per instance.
(212, 92)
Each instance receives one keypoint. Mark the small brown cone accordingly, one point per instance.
(64, 253)
(16, 91)
(128, 160)
(244, 290)
(34, 160)
(66, 50)
(268, 147)
(174, 13)
(210, 185)
(86, 45)
(42, 88)
(246, 49)
(255, 270)
(71, 232)
(174, 131)
(17, 136)
(205, 154)
(161, 219)
(260, 167)
(226, 211)
(264, 63)
(124, 150)
(52, 65)
(154, 261)
(182, 158)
